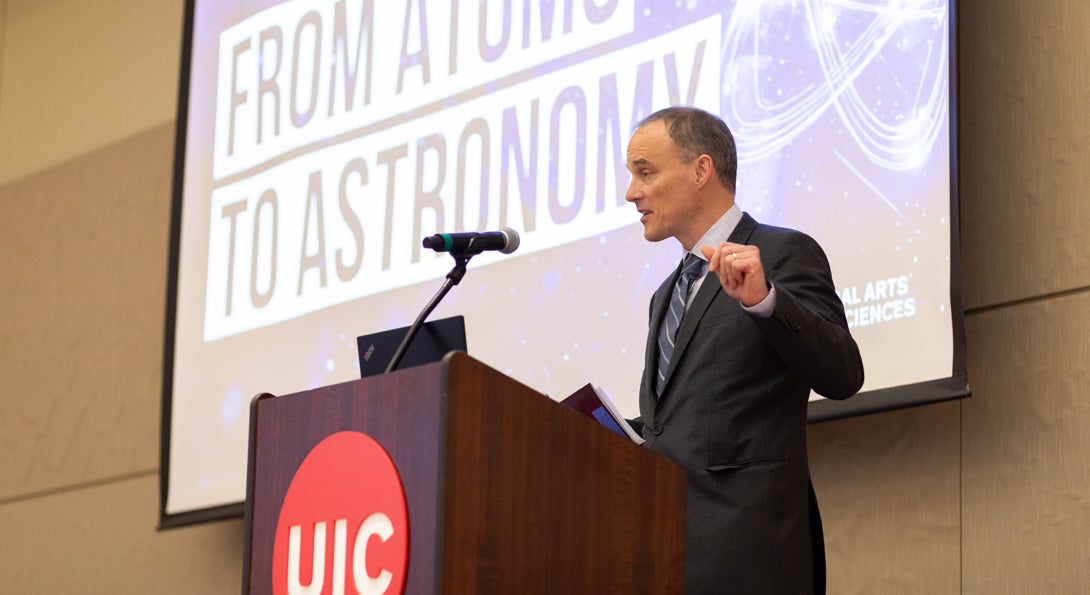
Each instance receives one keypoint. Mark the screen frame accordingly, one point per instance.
(954, 387)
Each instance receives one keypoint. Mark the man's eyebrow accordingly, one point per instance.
(640, 162)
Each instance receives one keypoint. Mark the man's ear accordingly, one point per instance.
(703, 169)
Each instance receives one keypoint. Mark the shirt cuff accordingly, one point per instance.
(765, 307)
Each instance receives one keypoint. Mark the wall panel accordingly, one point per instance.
(1026, 477)
(1024, 148)
(84, 260)
(889, 495)
(102, 539)
(76, 75)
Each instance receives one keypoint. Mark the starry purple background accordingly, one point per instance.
(841, 113)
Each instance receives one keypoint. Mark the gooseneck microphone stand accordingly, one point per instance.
(461, 259)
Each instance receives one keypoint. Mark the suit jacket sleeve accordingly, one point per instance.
(808, 327)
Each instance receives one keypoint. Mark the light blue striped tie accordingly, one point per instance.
(691, 269)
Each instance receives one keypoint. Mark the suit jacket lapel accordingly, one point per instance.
(660, 303)
(710, 288)
(743, 230)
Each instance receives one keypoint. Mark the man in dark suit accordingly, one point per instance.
(732, 356)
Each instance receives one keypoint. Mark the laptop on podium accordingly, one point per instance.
(434, 340)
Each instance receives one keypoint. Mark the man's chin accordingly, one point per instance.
(652, 236)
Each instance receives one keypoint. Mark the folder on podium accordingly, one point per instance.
(465, 481)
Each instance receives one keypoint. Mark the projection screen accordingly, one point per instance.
(320, 140)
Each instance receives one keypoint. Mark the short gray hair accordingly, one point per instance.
(696, 132)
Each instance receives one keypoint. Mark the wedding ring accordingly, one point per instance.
(734, 255)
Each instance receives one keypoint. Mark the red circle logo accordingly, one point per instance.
(344, 525)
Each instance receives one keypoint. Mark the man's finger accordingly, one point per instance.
(709, 255)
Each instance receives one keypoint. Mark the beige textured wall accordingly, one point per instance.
(989, 495)
(79, 74)
(87, 102)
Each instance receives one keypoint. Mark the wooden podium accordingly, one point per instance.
(507, 491)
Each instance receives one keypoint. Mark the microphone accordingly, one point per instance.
(505, 240)
(462, 247)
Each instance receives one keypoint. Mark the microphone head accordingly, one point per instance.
(434, 242)
(512, 238)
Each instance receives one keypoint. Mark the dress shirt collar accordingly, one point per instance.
(718, 233)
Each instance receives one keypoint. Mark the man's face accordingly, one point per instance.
(662, 188)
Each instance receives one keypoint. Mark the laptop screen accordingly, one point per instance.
(434, 340)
